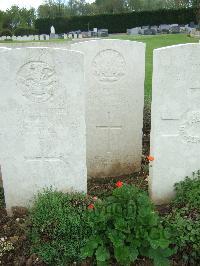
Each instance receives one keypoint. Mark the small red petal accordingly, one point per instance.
(91, 206)
(119, 184)
(150, 158)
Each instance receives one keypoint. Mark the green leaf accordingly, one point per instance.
(122, 254)
(117, 238)
(87, 251)
(121, 225)
(102, 254)
(155, 233)
(160, 256)
(91, 245)
(102, 263)
(160, 261)
(133, 254)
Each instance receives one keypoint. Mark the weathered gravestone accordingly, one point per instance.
(133, 31)
(175, 135)
(42, 135)
(2, 49)
(52, 32)
(114, 105)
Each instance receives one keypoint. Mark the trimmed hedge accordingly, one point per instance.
(25, 31)
(117, 23)
(5, 32)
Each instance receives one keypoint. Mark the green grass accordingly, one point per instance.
(153, 42)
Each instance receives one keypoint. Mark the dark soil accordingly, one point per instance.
(13, 229)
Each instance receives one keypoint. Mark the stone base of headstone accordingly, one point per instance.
(52, 36)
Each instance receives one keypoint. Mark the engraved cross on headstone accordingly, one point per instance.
(42, 158)
(109, 128)
(172, 120)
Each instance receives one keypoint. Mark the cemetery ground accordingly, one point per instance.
(182, 217)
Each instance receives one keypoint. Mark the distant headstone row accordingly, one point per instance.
(56, 126)
(42, 37)
(87, 34)
(195, 33)
(164, 28)
(46, 37)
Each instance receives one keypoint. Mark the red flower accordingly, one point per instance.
(150, 158)
(91, 206)
(119, 184)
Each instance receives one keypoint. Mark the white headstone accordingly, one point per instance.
(42, 122)
(141, 31)
(164, 27)
(36, 37)
(41, 37)
(154, 27)
(175, 135)
(31, 37)
(2, 49)
(133, 31)
(53, 31)
(25, 38)
(14, 38)
(114, 105)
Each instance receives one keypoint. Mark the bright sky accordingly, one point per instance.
(4, 4)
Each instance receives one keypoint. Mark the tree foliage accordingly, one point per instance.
(117, 23)
(60, 8)
(17, 17)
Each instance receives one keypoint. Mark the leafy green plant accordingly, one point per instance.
(59, 227)
(184, 220)
(188, 192)
(125, 226)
